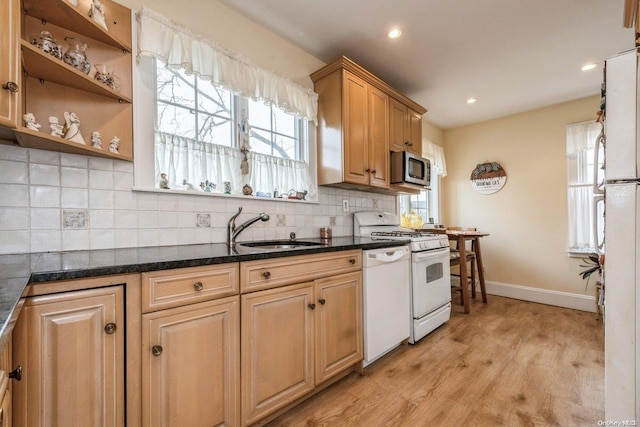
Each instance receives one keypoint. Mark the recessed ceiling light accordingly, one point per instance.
(588, 67)
(472, 100)
(394, 33)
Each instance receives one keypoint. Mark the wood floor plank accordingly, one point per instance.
(507, 363)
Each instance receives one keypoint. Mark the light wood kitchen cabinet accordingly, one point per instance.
(71, 349)
(191, 347)
(190, 365)
(49, 87)
(297, 336)
(6, 370)
(359, 123)
(406, 128)
(9, 66)
(277, 349)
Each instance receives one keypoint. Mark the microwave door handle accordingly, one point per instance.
(597, 188)
(599, 245)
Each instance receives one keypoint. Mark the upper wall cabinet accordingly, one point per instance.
(9, 66)
(361, 119)
(76, 73)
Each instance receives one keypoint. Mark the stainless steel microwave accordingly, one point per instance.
(410, 168)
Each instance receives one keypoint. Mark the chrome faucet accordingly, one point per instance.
(232, 231)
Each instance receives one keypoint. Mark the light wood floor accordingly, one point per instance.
(509, 362)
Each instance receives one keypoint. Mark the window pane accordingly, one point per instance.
(176, 120)
(214, 100)
(215, 129)
(259, 115)
(260, 141)
(283, 123)
(175, 87)
(285, 147)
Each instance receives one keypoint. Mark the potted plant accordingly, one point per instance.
(594, 263)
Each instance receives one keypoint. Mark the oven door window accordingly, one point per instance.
(434, 272)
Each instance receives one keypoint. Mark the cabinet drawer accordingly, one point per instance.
(261, 274)
(172, 288)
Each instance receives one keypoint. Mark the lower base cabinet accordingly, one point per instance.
(296, 337)
(190, 369)
(71, 349)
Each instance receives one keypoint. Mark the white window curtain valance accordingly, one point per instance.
(435, 153)
(582, 136)
(179, 48)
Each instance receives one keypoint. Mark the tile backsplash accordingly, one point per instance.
(53, 201)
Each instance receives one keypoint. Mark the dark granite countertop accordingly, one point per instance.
(18, 271)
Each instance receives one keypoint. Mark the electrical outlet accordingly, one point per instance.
(345, 206)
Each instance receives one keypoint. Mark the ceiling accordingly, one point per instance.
(512, 55)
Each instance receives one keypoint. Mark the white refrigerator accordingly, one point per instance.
(622, 238)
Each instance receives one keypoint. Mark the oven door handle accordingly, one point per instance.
(421, 256)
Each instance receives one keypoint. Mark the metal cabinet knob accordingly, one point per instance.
(198, 286)
(352, 261)
(156, 350)
(16, 374)
(110, 328)
(266, 274)
(322, 301)
(373, 171)
(367, 170)
(312, 306)
(10, 86)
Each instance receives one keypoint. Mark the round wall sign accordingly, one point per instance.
(488, 178)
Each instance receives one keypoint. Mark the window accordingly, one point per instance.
(424, 204)
(206, 133)
(584, 167)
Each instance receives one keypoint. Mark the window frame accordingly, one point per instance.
(145, 118)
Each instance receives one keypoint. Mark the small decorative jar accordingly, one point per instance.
(47, 43)
(76, 56)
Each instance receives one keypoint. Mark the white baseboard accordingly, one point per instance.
(542, 296)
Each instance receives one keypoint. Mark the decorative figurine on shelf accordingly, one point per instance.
(55, 127)
(187, 185)
(207, 186)
(72, 128)
(114, 145)
(247, 190)
(227, 187)
(30, 122)
(96, 139)
(243, 138)
(96, 12)
(164, 181)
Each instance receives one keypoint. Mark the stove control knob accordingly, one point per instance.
(423, 245)
(444, 243)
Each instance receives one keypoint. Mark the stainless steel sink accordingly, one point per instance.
(278, 244)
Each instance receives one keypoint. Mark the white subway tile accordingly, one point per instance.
(99, 163)
(14, 152)
(46, 240)
(13, 172)
(44, 157)
(100, 179)
(73, 240)
(44, 197)
(14, 219)
(122, 166)
(15, 242)
(14, 195)
(148, 237)
(74, 160)
(147, 219)
(101, 199)
(74, 177)
(167, 220)
(168, 236)
(125, 200)
(122, 181)
(45, 219)
(126, 238)
(44, 174)
(77, 198)
(124, 219)
(101, 238)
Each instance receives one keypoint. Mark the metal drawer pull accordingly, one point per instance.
(156, 350)
(110, 328)
(322, 301)
(16, 374)
(198, 286)
(352, 261)
(266, 274)
(312, 306)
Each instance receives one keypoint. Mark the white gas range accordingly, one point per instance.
(430, 283)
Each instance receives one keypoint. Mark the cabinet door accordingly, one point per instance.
(339, 338)
(9, 72)
(6, 419)
(356, 138)
(277, 349)
(71, 349)
(378, 138)
(397, 125)
(415, 132)
(190, 365)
